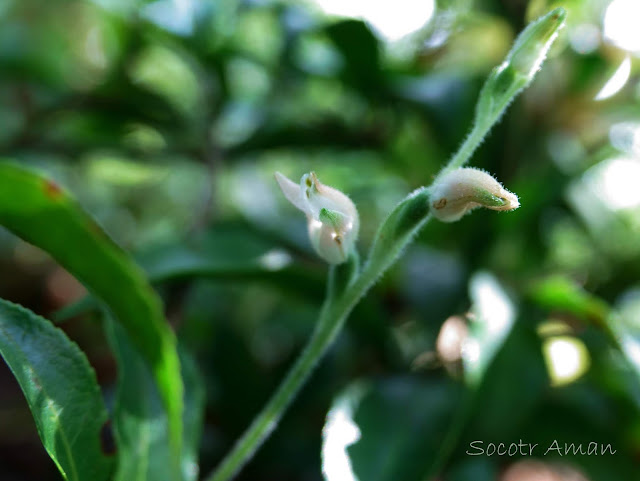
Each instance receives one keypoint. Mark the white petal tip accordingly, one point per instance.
(291, 190)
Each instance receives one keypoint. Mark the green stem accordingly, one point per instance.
(468, 147)
(330, 323)
(327, 328)
(484, 121)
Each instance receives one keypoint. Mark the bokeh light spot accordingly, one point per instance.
(393, 20)
(621, 24)
(617, 81)
(567, 359)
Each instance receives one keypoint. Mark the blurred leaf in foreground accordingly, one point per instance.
(140, 424)
(42, 213)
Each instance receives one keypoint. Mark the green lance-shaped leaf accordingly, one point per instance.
(522, 63)
(62, 393)
(40, 212)
(508, 79)
(140, 425)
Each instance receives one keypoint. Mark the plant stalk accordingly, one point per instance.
(330, 323)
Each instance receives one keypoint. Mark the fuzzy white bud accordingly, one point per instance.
(455, 193)
(332, 218)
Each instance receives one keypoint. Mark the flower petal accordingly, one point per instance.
(291, 191)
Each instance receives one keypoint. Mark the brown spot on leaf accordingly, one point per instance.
(52, 190)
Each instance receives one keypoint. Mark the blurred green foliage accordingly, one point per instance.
(167, 120)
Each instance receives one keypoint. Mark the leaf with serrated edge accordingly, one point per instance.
(62, 393)
(42, 213)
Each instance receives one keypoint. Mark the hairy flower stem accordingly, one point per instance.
(332, 318)
(468, 147)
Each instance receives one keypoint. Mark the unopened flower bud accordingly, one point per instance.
(532, 45)
(332, 218)
(519, 68)
(459, 191)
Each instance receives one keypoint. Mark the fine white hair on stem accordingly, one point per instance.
(459, 191)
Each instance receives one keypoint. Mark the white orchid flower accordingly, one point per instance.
(332, 217)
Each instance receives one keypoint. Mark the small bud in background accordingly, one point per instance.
(450, 343)
(451, 338)
(332, 218)
(459, 191)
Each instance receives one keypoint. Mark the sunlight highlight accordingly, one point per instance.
(393, 20)
(631, 348)
(339, 433)
(567, 359)
(615, 182)
(617, 81)
(491, 319)
(621, 24)
(492, 303)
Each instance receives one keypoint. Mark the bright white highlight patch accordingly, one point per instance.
(339, 433)
(567, 359)
(631, 348)
(617, 81)
(615, 182)
(392, 19)
(471, 350)
(491, 303)
(275, 260)
(492, 316)
(621, 22)
(315, 224)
